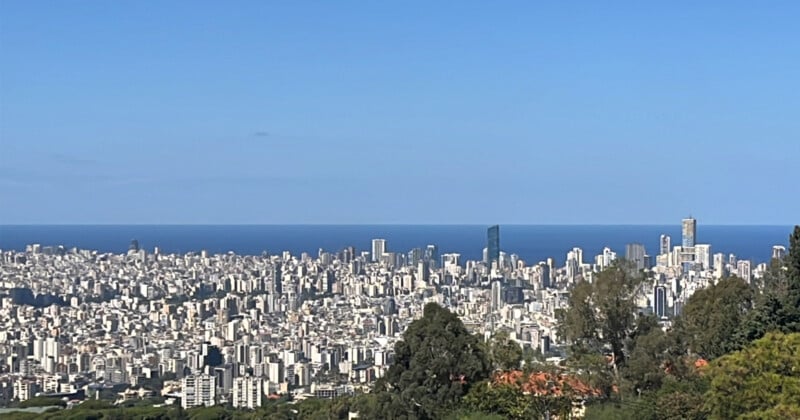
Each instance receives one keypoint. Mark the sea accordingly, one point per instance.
(532, 243)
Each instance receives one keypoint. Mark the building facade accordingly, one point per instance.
(198, 390)
(493, 244)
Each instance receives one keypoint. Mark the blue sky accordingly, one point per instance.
(411, 112)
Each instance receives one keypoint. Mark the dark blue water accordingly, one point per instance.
(531, 243)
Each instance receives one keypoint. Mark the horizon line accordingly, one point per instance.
(386, 224)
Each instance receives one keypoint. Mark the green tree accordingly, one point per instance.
(645, 371)
(602, 315)
(503, 352)
(42, 402)
(505, 400)
(758, 380)
(681, 398)
(712, 317)
(435, 364)
(790, 321)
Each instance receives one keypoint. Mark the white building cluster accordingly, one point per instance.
(227, 328)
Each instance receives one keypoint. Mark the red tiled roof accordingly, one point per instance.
(546, 383)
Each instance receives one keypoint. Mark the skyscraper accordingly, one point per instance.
(688, 232)
(423, 271)
(415, 256)
(378, 249)
(666, 244)
(660, 301)
(276, 286)
(635, 254)
(719, 265)
(544, 274)
(688, 240)
(493, 243)
(497, 295)
(432, 254)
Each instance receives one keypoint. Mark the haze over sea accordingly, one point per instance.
(533, 243)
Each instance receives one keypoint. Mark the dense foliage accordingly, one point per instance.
(760, 380)
(435, 364)
(664, 374)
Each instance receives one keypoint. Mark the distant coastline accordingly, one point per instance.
(532, 243)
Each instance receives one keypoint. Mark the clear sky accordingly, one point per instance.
(399, 112)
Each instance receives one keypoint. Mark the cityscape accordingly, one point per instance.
(282, 210)
(239, 330)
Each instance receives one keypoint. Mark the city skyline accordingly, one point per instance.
(274, 113)
(528, 242)
(292, 210)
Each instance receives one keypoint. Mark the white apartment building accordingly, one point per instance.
(24, 389)
(248, 392)
(702, 256)
(198, 390)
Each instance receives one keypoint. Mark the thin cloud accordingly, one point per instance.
(261, 134)
(73, 160)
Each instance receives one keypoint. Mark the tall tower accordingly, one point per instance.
(689, 232)
(660, 301)
(493, 244)
(689, 237)
(635, 253)
(276, 287)
(378, 249)
(497, 295)
(666, 245)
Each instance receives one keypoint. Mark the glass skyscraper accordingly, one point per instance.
(689, 239)
(689, 232)
(493, 243)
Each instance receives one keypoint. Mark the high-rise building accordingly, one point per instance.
(719, 265)
(573, 263)
(635, 254)
(578, 255)
(743, 270)
(423, 271)
(348, 254)
(198, 390)
(451, 259)
(702, 256)
(276, 371)
(778, 252)
(493, 244)
(607, 257)
(378, 249)
(666, 245)
(276, 280)
(689, 238)
(415, 256)
(497, 295)
(689, 232)
(660, 301)
(247, 392)
(544, 272)
(388, 259)
(432, 254)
